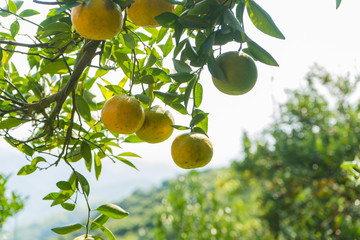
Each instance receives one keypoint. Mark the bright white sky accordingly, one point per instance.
(315, 33)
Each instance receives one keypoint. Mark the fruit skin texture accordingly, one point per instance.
(239, 73)
(143, 12)
(191, 150)
(98, 20)
(157, 125)
(122, 114)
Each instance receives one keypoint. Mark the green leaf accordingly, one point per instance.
(10, 123)
(133, 139)
(147, 79)
(67, 229)
(86, 154)
(51, 196)
(116, 89)
(28, 13)
(36, 160)
(188, 91)
(178, 127)
(167, 19)
(98, 166)
(112, 211)
(151, 60)
(83, 108)
(198, 94)
(68, 206)
(54, 68)
(12, 7)
(182, 77)
(179, 107)
(260, 54)
(232, 21)
(194, 22)
(143, 98)
(203, 124)
(179, 47)
(129, 154)
(18, 4)
(199, 130)
(54, 28)
(99, 220)
(240, 11)
(106, 231)
(168, 46)
(179, 30)
(84, 183)
(129, 41)
(64, 185)
(262, 20)
(25, 149)
(60, 199)
(162, 34)
(197, 119)
(181, 66)
(338, 2)
(27, 169)
(14, 28)
(206, 47)
(127, 162)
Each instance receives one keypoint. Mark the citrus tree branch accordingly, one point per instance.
(29, 45)
(48, 3)
(22, 18)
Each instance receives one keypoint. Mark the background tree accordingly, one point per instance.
(306, 195)
(50, 98)
(10, 202)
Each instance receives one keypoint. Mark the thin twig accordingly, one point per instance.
(22, 18)
(48, 3)
(29, 45)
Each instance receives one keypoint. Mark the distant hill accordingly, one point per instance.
(143, 206)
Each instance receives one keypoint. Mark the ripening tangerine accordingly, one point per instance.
(97, 20)
(157, 125)
(239, 73)
(122, 114)
(191, 150)
(143, 12)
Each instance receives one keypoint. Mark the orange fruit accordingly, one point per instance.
(98, 20)
(238, 73)
(143, 12)
(157, 125)
(122, 114)
(191, 150)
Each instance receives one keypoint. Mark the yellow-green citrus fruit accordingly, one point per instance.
(98, 20)
(143, 12)
(122, 114)
(191, 150)
(239, 73)
(157, 125)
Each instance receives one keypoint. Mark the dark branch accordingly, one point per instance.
(48, 3)
(29, 45)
